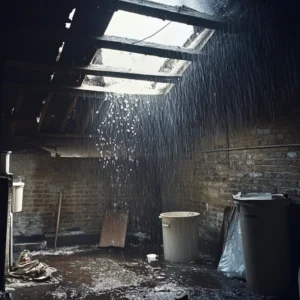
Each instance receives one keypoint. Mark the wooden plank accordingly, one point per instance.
(97, 70)
(91, 18)
(113, 233)
(58, 218)
(112, 42)
(135, 46)
(181, 14)
(84, 91)
(43, 113)
(17, 108)
(45, 136)
(67, 114)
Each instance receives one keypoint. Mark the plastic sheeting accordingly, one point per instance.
(232, 259)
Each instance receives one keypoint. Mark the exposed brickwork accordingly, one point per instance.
(88, 190)
(206, 182)
(203, 182)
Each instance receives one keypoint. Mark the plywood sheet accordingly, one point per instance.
(113, 233)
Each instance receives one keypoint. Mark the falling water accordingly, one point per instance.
(245, 76)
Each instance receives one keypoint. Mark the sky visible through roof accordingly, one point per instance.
(139, 27)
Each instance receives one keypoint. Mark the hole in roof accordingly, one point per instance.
(151, 30)
(134, 61)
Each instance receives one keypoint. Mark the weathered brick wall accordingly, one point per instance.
(206, 181)
(88, 190)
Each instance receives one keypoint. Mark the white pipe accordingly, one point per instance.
(251, 148)
(4, 162)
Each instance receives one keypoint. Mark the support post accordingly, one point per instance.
(58, 219)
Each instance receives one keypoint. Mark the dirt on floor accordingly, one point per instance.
(126, 274)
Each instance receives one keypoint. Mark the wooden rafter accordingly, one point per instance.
(91, 18)
(43, 113)
(17, 108)
(136, 46)
(181, 14)
(97, 70)
(67, 114)
(114, 43)
(84, 91)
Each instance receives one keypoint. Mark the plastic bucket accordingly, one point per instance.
(180, 236)
(265, 239)
(151, 258)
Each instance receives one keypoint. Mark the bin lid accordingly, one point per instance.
(258, 197)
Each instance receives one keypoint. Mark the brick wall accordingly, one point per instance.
(205, 181)
(88, 190)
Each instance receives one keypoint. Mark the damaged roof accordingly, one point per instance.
(63, 57)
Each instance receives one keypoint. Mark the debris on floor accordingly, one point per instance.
(64, 250)
(182, 296)
(132, 265)
(113, 273)
(31, 270)
(140, 236)
(152, 259)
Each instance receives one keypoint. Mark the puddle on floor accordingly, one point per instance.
(125, 274)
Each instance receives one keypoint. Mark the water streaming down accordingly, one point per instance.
(235, 84)
(232, 85)
(145, 144)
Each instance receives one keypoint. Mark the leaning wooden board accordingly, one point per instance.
(113, 233)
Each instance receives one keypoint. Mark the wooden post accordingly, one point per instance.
(58, 219)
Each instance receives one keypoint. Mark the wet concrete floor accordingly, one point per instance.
(125, 274)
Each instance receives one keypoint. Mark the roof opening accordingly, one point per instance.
(148, 29)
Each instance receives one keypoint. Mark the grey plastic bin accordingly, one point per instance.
(265, 239)
(180, 236)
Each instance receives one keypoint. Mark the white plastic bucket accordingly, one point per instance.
(180, 236)
(151, 258)
(17, 196)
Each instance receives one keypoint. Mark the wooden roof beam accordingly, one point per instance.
(181, 14)
(68, 114)
(135, 46)
(83, 91)
(97, 70)
(114, 43)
